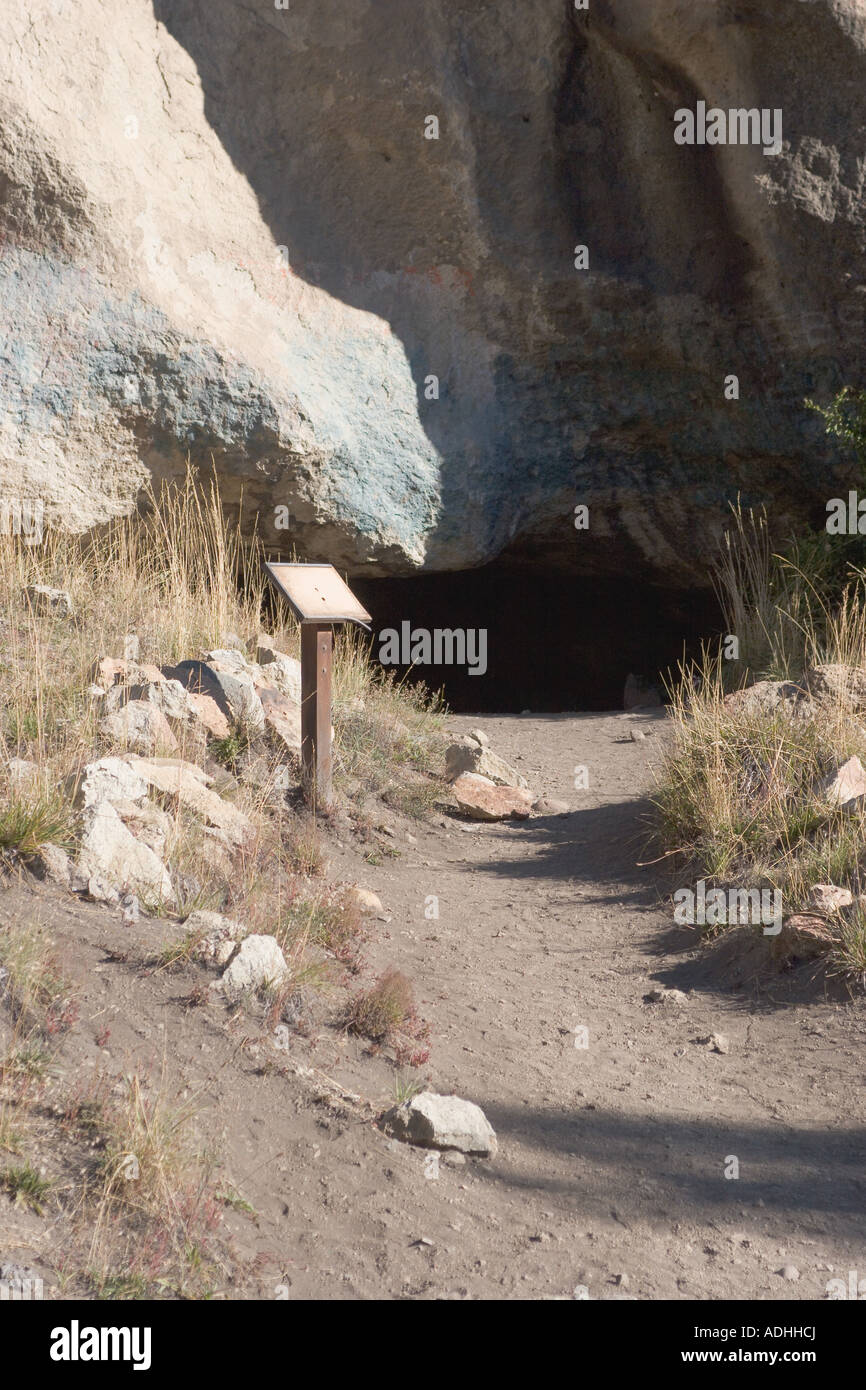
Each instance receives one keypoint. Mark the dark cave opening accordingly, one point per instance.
(555, 641)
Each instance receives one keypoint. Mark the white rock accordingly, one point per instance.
(140, 726)
(109, 779)
(110, 853)
(368, 902)
(479, 737)
(827, 897)
(468, 756)
(217, 936)
(188, 784)
(443, 1122)
(258, 961)
(847, 783)
(44, 599)
(22, 772)
(52, 863)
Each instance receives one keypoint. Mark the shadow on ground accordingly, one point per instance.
(642, 1167)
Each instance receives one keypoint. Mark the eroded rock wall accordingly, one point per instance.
(153, 162)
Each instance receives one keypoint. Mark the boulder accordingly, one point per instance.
(215, 936)
(140, 726)
(48, 602)
(155, 315)
(108, 779)
(52, 864)
(803, 937)
(837, 684)
(846, 785)
(257, 962)
(442, 1122)
(22, 773)
(827, 897)
(369, 903)
(485, 800)
(768, 698)
(110, 853)
(468, 755)
(188, 784)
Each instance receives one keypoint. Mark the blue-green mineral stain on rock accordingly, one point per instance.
(84, 372)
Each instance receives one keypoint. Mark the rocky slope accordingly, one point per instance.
(224, 233)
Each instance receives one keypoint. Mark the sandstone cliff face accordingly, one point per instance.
(154, 160)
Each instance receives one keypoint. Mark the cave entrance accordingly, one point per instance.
(555, 641)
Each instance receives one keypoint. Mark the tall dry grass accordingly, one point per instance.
(740, 799)
(175, 579)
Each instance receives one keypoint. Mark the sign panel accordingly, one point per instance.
(317, 594)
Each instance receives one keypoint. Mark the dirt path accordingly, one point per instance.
(611, 1171)
(613, 1156)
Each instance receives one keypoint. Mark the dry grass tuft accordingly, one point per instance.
(739, 799)
(386, 1014)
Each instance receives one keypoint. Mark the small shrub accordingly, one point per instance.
(230, 749)
(27, 822)
(386, 1014)
(26, 1187)
(304, 852)
(329, 918)
(380, 1011)
(36, 992)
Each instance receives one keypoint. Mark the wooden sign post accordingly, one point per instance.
(319, 599)
(317, 650)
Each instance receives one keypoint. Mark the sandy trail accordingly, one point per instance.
(615, 1153)
(610, 1178)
